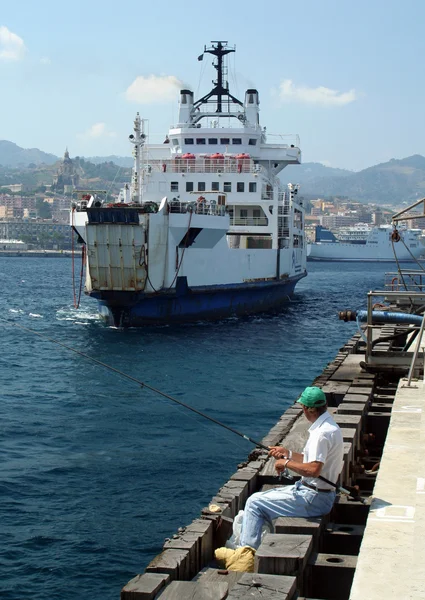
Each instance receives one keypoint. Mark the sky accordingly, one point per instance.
(346, 76)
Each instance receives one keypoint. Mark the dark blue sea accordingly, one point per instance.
(95, 471)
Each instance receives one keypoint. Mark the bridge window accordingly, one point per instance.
(213, 141)
(244, 213)
(252, 186)
(201, 186)
(252, 142)
(256, 213)
(237, 141)
(225, 141)
(189, 186)
(215, 186)
(174, 186)
(200, 141)
(227, 186)
(188, 141)
(240, 186)
(175, 142)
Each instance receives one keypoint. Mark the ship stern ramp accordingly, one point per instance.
(116, 251)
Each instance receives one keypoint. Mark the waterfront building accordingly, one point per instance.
(44, 234)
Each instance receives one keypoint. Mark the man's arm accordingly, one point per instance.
(281, 452)
(311, 469)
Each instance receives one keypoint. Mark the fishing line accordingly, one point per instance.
(134, 379)
(163, 394)
(208, 427)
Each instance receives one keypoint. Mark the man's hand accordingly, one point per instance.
(280, 465)
(278, 452)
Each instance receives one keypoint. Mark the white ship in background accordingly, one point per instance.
(205, 229)
(365, 243)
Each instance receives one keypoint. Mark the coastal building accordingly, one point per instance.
(44, 234)
(18, 201)
(419, 223)
(11, 212)
(60, 207)
(378, 218)
(335, 221)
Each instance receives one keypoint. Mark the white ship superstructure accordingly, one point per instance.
(365, 243)
(205, 229)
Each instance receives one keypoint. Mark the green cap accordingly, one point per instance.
(313, 397)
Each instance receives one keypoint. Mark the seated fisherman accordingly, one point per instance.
(309, 497)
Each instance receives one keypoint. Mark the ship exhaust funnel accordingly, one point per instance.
(252, 106)
(185, 106)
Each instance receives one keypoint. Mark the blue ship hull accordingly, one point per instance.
(184, 304)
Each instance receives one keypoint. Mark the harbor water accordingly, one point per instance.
(97, 471)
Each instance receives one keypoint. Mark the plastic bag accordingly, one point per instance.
(235, 540)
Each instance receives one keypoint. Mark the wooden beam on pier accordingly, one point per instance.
(191, 590)
(283, 554)
(144, 587)
(256, 586)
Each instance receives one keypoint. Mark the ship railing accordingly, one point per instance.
(283, 232)
(208, 207)
(405, 280)
(202, 165)
(290, 140)
(249, 221)
(283, 210)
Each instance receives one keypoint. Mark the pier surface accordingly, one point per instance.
(363, 549)
(391, 562)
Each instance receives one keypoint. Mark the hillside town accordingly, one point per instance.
(342, 213)
(39, 219)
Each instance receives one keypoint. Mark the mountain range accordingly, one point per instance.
(392, 182)
(12, 155)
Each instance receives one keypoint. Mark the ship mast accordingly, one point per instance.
(138, 141)
(221, 85)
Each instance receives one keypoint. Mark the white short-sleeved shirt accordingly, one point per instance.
(325, 444)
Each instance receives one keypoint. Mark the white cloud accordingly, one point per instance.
(289, 92)
(12, 47)
(45, 60)
(96, 131)
(153, 89)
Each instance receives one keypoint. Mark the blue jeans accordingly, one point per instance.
(288, 501)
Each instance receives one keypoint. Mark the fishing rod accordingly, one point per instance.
(155, 390)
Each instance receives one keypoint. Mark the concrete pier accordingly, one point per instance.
(372, 549)
(391, 562)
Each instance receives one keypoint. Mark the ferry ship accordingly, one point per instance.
(205, 230)
(365, 243)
